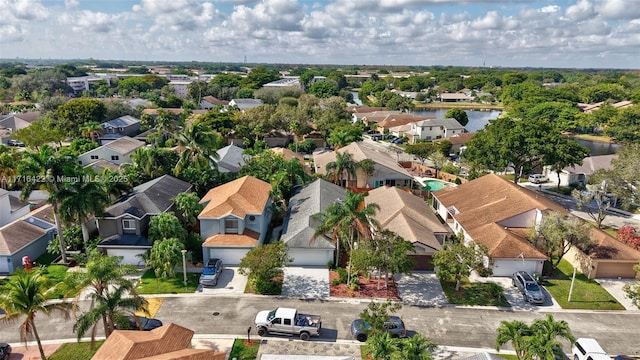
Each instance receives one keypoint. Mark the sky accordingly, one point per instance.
(492, 33)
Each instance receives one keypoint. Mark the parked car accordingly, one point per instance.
(5, 351)
(395, 326)
(211, 273)
(376, 137)
(538, 178)
(398, 140)
(529, 288)
(145, 323)
(588, 349)
(13, 142)
(288, 321)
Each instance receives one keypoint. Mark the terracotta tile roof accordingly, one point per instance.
(407, 215)
(608, 247)
(246, 195)
(288, 154)
(188, 354)
(403, 119)
(247, 239)
(505, 242)
(215, 101)
(131, 344)
(458, 139)
(360, 151)
(21, 232)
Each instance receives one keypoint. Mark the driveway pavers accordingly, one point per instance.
(230, 282)
(306, 282)
(420, 289)
(614, 287)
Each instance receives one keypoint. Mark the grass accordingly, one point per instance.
(587, 294)
(475, 294)
(76, 351)
(243, 351)
(46, 259)
(56, 275)
(511, 176)
(149, 285)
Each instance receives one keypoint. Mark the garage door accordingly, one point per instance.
(614, 270)
(129, 256)
(228, 256)
(4, 264)
(308, 257)
(508, 267)
(422, 262)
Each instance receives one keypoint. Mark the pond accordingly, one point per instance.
(477, 118)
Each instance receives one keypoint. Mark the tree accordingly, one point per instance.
(77, 112)
(514, 332)
(25, 295)
(323, 89)
(166, 226)
(383, 346)
(91, 129)
(263, 263)
(568, 153)
(387, 252)
(455, 261)
(633, 289)
(198, 144)
(343, 165)
(624, 179)
(367, 166)
(421, 150)
(378, 313)
(189, 207)
(47, 169)
(439, 160)
(107, 284)
(536, 341)
(345, 135)
(41, 132)
(594, 202)
(164, 256)
(417, 347)
(458, 114)
(556, 234)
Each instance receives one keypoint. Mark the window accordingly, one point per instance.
(128, 224)
(287, 321)
(94, 157)
(277, 321)
(231, 225)
(115, 157)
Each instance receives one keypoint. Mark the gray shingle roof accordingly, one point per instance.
(152, 197)
(300, 225)
(122, 121)
(231, 158)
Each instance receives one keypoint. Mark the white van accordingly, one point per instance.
(588, 349)
(538, 178)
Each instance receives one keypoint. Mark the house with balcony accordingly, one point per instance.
(235, 218)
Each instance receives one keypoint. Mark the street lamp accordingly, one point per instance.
(184, 266)
(573, 279)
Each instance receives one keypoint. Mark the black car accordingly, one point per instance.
(146, 324)
(394, 325)
(5, 351)
(211, 273)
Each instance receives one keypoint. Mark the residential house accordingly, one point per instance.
(209, 102)
(169, 341)
(386, 170)
(126, 125)
(13, 122)
(579, 174)
(286, 81)
(393, 121)
(124, 225)
(180, 87)
(234, 219)
(588, 108)
(454, 97)
(116, 152)
(289, 155)
(231, 159)
(410, 217)
(245, 104)
(497, 213)
(300, 224)
(458, 141)
(433, 129)
(11, 208)
(27, 236)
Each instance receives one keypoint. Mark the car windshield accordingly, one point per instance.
(272, 314)
(533, 287)
(209, 270)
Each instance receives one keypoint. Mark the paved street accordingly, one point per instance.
(449, 326)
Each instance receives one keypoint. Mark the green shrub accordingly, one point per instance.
(343, 275)
(330, 265)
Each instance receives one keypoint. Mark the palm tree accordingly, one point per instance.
(165, 124)
(383, 347)
(536, 347)
(114, 183)
(111, 293)
(8, 162)
(81, 199)
(514, 332)
(552, 329)
(368, 167)
(45, 169)
(417, 347)
(198, 142)
(91, 128)
(25, 294)
(344, 164)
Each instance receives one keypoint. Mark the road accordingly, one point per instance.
(450, 326)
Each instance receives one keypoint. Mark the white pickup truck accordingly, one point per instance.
(288, 321)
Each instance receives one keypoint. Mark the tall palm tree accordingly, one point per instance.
(514, 332)
(198, 142)
(165, 124)
(81, 199)
(552, 329)
(8, 164)
(110, 291)
(114, 183)
(91, 128)
(368, 167)
(536, 347)
(417, 347)
(384, 346)
(344, 165)
(25, 294)
(47, 170)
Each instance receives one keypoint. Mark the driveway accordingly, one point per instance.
(420, 289)
(614, 287)
(306, 282)
(513, 295)
(230, 282)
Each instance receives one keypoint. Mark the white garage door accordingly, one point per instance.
(228, 256)
(4, 264)
(310, 257)
(129, 256)
(508, 267)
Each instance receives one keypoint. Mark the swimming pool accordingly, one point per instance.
(433, 185)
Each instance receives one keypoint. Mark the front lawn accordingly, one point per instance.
(587, 294)
(475, 294)
(76, 351)
(242, 350)
(148, 284)
(56, 275)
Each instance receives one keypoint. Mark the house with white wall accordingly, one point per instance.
(117, 152)
(433, 129)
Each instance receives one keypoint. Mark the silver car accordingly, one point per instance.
(211, 273)
(529, 288)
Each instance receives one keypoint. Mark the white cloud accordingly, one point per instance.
(71, 4)
(619, 9)
(10, 33)
(29, 10)
(581, 11)
(177, 15)
(89, 21)
(492, 20)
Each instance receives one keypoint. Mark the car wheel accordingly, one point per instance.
(575, 357)
(361, 337)
(262, 331)
(304, 336)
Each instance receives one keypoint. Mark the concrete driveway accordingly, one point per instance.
(420, 289)
(230, 282)
(614, 287)
(305, 282)
(513, 295)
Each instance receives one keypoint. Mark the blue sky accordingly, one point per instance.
(521, 33)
